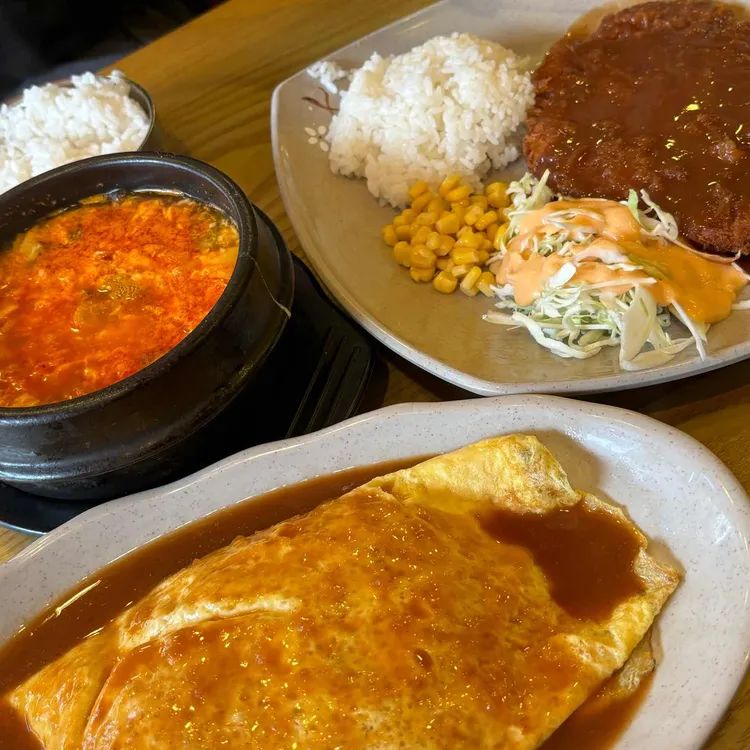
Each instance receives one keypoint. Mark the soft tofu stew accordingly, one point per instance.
(95, 293)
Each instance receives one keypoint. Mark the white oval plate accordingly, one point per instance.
(673, 488)
(338, 223)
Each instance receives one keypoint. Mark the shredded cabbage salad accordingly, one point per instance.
(575, 319)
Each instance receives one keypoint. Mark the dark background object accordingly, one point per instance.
(138, 432)
(37, 36)
(323, 370)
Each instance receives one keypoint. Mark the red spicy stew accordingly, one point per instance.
(96, 293)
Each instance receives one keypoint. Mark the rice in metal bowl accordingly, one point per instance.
(56, 124)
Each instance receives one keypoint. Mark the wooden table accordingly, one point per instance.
(211, 82)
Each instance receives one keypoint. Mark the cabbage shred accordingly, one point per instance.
(578, 320)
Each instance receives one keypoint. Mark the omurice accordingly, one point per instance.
(475, 600)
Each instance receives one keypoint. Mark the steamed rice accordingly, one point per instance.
(53, 125)
(327, 73)
(450, 106)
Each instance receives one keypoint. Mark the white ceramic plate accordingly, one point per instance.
(338, 223)
(673, 488)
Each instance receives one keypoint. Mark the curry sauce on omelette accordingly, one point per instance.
(475, 600)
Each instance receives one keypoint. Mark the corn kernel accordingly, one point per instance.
(389, 235)
(417, 189)
(498, 241)
(469, 240)
(449, 224)
(483, 256)
(449, 183)
(433, 241)
(470, 292)
(486, 280)
(402, 253)
(471, 278)
(462, 255)
(472, 214)
(486, 247)
(469, 281)
(498, 200)
(404, 232)
(459, 271)
(496, 187)
(491, 231)
(490, 217)
(459, 211)
(444, 264)
(422, 257)
(445, 282)
(458, 193)
(444, 213)
(422, 274)
(419, 204)
(400, 221)
(460, 204)
(446, 244)
(464, 231)
(479, 200)
(419, 234)
(427, 219)
(409, 215)
(436, 205)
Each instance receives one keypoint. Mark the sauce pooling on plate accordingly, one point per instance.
(96, 293)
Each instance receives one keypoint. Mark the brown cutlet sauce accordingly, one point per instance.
(655, 98)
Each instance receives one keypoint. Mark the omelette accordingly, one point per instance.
(449, 605)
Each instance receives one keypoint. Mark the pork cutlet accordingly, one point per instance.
(656, 98)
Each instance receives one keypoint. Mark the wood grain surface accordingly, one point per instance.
(211, 82)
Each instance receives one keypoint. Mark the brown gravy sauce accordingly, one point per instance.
(74, 616)
(587, 555)
(599, 728)
(668, 104)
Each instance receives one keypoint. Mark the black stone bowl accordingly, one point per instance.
(146, 429)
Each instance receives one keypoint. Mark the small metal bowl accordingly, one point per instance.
(153, 140)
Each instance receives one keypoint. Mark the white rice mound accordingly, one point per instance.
(327, 73)
(53, 125)
(450, 106)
